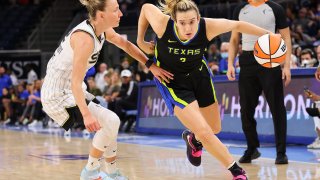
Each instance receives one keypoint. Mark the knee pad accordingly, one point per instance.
(108, 120)
(109, 123)
(111, 150)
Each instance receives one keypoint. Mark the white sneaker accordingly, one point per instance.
(25, 121)
(33, 123)
(117, 176)
(93, 174)
(7, 121)
(315, 144)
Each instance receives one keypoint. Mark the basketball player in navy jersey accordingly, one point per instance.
(182, 37)
(64, 96)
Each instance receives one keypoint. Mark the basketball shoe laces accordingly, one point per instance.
(196, 151)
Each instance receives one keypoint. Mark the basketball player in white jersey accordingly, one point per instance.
(63, 94)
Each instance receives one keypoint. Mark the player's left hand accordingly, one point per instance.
(286, 75)
(160, 73)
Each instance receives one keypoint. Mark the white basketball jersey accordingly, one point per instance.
(59, 68)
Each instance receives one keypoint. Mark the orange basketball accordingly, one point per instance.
(270, 50)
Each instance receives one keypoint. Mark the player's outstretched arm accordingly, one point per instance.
(137, 54)
(216, 27)
(152, 15)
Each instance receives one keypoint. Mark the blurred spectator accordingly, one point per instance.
(32, 75)
(223, 62)
(302, 19)
(13, 77)
(300, 37)
(143, 73)
(213, 58)
(308, 59)
(92, 87)
(33, 105)
(5, 80)
(99, 77)
(6, 101)
(294, 62)
(125, 64)
(296, 51)
(128, 95)
(111, 92)
(18, 103)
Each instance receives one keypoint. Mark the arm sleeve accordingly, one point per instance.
(280, 15)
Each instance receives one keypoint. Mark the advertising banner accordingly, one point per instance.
(154, 116)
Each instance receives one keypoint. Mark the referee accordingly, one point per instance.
(255, 79)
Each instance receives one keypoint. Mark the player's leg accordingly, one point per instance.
(191, 117)
(211, 114)
(205, 95)
(105, 140)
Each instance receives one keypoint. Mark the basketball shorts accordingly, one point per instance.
(64, 111)
(186, 88)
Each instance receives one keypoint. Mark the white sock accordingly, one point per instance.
(92, 163)
(109, 167)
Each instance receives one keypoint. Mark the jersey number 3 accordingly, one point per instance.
(183, 59)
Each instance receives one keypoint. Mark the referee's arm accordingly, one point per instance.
(283, 28)
(233, 49)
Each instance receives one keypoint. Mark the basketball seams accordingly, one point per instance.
(270, 50)
(276, 49)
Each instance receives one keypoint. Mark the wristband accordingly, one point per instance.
(149, 63)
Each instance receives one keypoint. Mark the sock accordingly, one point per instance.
(109, 167)
(235, 169)
(196, 142)
(92, 163)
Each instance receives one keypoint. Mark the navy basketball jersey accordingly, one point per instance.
(179, 56)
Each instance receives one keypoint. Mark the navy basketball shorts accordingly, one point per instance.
(188, 87)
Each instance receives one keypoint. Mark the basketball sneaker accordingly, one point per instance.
(315, 144)
(194, 151)
(94, 174)
(241, 176)
(117, 176)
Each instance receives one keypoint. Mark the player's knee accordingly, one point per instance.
(110, 122)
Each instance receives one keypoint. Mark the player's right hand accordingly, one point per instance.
(231, 73)
(160, 73)
(91, 123)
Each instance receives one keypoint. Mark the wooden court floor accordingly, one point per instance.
(28, 156)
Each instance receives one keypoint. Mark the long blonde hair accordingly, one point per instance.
(93, 6)
(171, 7)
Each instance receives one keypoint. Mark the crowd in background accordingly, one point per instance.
(116, 87)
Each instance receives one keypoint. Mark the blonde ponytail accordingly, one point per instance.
(171, 7)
